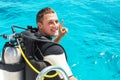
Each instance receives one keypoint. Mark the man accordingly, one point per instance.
(48, 27)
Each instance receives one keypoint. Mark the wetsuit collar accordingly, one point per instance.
(39, 35)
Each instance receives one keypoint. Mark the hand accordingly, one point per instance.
(72, 78)
(62, 31)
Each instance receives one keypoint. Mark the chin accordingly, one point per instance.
(56, 34)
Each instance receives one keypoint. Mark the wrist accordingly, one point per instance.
(72, 77)
(61, 35)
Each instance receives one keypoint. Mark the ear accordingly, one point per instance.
(39, 25)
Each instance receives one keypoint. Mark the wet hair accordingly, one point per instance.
(42, 12)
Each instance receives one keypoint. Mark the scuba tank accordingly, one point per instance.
(12, 65)
(12, 55)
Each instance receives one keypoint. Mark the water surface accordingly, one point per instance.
(93, 40)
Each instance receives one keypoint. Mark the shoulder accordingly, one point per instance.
(53, 48)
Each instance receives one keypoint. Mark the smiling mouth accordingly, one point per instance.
(54, 31)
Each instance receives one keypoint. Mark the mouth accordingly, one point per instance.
(54, 32)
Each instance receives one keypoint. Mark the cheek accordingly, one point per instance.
(47, 29)
(50, 25)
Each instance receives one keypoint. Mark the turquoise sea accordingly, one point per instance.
(93, 40)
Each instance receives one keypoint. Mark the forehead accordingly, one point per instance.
(50, 16)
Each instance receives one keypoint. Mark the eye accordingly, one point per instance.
(51, 22)
(56, 21)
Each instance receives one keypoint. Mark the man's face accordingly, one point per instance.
(49, 25)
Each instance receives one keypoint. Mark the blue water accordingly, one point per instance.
(93, 40)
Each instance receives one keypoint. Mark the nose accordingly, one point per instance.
(55, 25)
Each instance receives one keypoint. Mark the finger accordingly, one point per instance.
(64, 30)
(61, 24)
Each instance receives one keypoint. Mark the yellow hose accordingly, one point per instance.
(32, 67)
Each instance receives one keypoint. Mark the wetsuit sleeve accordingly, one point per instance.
(56, 56)
(59, 60)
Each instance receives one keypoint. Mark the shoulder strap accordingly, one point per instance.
(36, 36)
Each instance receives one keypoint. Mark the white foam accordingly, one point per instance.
(102, 53)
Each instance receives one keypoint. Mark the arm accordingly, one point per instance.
(60, 60)
(72, 78)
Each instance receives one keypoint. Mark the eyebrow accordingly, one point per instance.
(52, 20)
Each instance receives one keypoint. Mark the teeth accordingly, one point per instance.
(53, 30)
